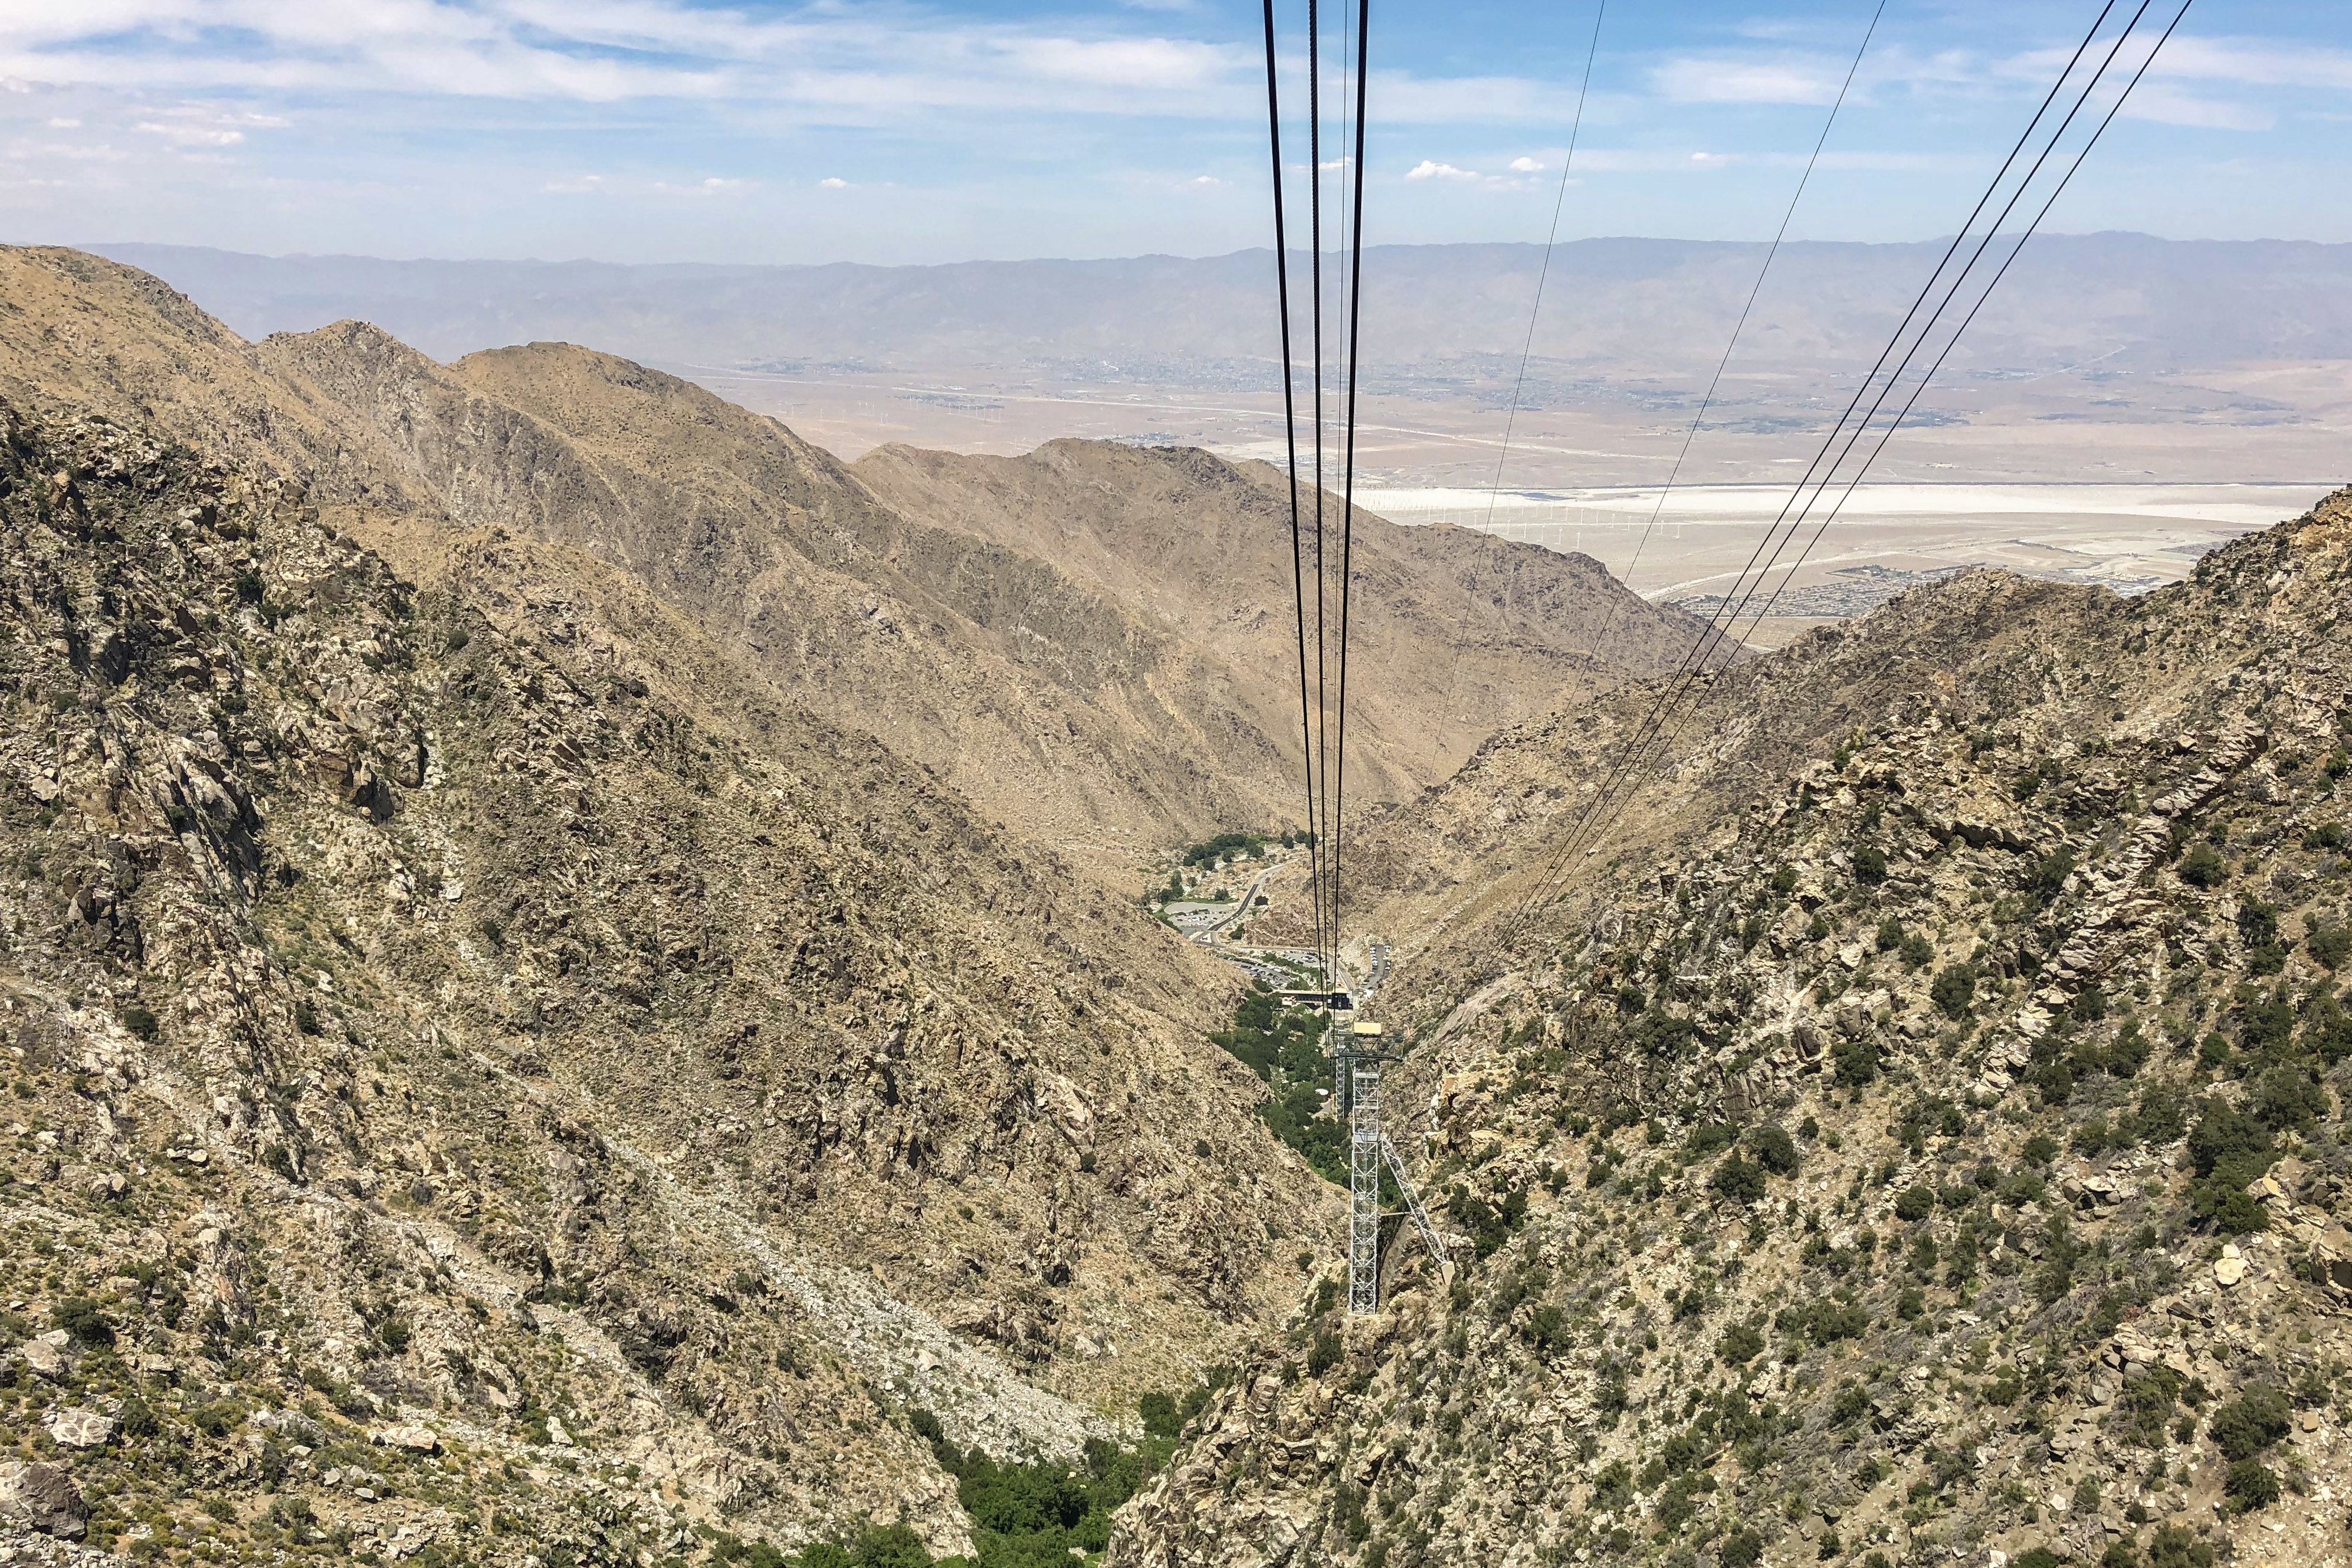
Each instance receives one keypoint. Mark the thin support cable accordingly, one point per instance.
(1601, 806)
(1683, 720)
(1625, 578)
(1543, 272)
(1535, 309)
(2031, 230)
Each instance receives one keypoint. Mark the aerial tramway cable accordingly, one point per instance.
(1348, 463)
(1606, 803)
(1535, 309)
(1290, 439)
(1888, 433)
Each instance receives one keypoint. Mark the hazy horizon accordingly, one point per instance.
(111, 247)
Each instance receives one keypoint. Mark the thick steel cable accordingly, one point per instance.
(1693, 658)
(1324, 958)
(1856, 433)
(1941, 356)
(1348, 463)
(1290, 440)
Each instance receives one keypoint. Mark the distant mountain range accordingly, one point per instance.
(1643, 308)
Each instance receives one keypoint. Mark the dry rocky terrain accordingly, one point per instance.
(573, 994)
(561, 998)
(1915, 1134)
(1093, 645)
(429, 1029)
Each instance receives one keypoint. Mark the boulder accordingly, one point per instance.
(44, 1497)
(48, 1355)
(416, 1439)
(79, 1428)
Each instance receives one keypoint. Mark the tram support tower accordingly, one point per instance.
(1362, 1044)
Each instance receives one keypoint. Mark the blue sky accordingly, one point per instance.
(657, 130)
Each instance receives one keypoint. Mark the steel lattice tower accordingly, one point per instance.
(1364, 1183)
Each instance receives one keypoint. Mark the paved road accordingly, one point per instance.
(1241, 910)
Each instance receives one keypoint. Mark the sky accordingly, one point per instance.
(846, 130)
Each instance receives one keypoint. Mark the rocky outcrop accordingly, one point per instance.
(1931, 1149)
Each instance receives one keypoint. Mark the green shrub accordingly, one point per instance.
(142, 1022)
(2203, 867)
(85, 1320)
(1548, 1330)
(1856, 1062)
(1709, 1137)
(2228, 1146)
(1741, 1343)
(1324, 1356)
(2174, 1547)
(2327, 1027)
(1773, 1149)
(1160, 1417)
(1870, 868)
(2249, 1485)
(1737, 1178)
(2250, 1423)
(1954, 987)
(1915, 1203)
(2161, 1116)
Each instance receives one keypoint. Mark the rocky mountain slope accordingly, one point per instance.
(934, 603)
(1917, 1135)
(1458, 633)
(434, 1022)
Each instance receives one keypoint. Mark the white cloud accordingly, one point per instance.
(1745, 81)
(1430, 169)
(1527, 166)
(1162, 64)
(192, 135)
(584, 185)
(1710, 160)
(2251, 62)
(1400, 99)
(833, 62)
(2170, 106)
(1204, 182)
(713, 187)
(833, 182)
